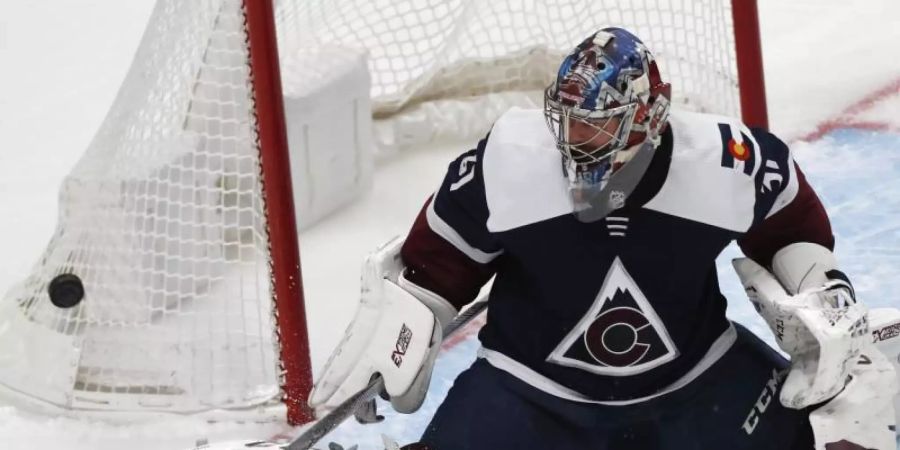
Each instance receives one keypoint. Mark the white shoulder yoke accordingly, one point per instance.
(699, 186)
(524, 181)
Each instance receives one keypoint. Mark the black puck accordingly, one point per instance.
(66, 290)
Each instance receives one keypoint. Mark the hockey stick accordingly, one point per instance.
(362, 398)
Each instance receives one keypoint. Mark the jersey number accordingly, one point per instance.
(466, 172)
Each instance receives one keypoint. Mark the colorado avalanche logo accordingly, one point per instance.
(620, 335)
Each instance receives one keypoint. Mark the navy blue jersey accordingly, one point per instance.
(626, 307)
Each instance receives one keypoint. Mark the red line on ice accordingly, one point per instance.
(844, 118)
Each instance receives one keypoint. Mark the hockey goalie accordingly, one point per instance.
(600, 218)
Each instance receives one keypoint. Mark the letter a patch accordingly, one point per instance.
(620, 335)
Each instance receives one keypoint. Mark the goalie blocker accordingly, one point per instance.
(396, 333)
(835, 371)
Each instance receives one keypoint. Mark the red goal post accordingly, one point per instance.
(280, 215)
(748, 45)
(179, 220)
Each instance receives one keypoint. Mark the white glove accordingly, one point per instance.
(395, 334)
(822, 328)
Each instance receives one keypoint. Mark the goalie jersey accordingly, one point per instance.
(628, 307)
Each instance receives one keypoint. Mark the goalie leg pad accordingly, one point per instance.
(885, 326)
(863, 413)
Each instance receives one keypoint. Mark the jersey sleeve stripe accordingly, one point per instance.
(444, 230)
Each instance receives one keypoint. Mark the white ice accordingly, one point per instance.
(61, 63)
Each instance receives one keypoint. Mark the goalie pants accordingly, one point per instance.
(732, 406)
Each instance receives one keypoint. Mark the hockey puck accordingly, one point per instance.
(66, 290)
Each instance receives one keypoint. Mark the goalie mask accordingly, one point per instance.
(607, 110)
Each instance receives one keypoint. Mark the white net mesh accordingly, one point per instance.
(449, 68)
(162, 219)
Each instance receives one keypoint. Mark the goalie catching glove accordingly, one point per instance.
(812, 309)
(396, 333)
(814, 316)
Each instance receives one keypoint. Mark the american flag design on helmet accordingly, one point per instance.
(595, 74)
(608, 69)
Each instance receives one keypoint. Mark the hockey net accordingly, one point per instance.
(165, 218)
(447, 69)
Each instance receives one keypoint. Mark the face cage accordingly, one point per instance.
(583, 159)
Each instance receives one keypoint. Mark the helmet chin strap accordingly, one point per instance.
(620, 185)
